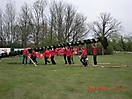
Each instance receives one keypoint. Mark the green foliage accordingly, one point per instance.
(99, 46)
(121, 43)
(104, 42)
(128, 46)
(89, 49)
(48, 41)
(109, 50)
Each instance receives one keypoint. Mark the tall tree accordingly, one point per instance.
(75, 24)
(128, 42)
(2, 37)
(66, 23)
(105, 26)
(10, 22)
(24, 24)
(56, 22)
(38, 19)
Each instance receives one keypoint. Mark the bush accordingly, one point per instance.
(109, 50)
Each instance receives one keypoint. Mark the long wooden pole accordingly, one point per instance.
(32, 61)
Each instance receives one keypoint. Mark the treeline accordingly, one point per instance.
(41, 24)
(122, 43)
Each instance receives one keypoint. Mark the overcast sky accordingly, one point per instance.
(119, 9)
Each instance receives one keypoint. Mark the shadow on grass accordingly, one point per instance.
(14, 63)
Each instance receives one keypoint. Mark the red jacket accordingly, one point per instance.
(65, 50)
(72, 51)
(25, 51)
(52, 52)
(68, 53)
(33, 53)
(84, 52)
(57, 50)
(47, 53)
(94, 50)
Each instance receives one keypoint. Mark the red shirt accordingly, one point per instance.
(33, 53)
(94, 50)
(52, 52)
(65, 50)
(57, 50)
(68, 53)
(72, 52)
(84, 52)
(47, 53)
(25, 51)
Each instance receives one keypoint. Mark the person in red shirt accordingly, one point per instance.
(53, 52)
(46, 56)
(25, 56)
(84, 56)
(94, 46)
(68, 54)
(33, 54)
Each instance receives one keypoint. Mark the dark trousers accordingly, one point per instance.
(84, 61)
(69, 60)
(65, 59)
(52, 60)
(95, 59)
(25, 57)
(31, 58)
(34, 59)
(46, 60)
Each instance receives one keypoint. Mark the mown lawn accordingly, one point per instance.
(67, 82)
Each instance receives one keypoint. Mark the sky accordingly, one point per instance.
(119, 9)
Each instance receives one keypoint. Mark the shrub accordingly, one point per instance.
(109, 50)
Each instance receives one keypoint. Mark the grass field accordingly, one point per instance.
(67, 82)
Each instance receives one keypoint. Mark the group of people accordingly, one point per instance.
(68, 53)
(47, 54)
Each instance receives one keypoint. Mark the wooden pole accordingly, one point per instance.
(32, 61)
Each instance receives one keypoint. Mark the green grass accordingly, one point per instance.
(67, 82)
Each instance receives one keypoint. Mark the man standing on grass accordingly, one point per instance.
(25, 56)
(68, 54)
(84, 56)
(46, 56)
(94, 46)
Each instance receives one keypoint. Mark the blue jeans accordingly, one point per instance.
(24, 57)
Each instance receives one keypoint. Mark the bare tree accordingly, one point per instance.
(66, 23)
(24, 24)
(79, 29)
(38, 19)
(9, 22)
(56, 21)
(2, 37)
(106, 26)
